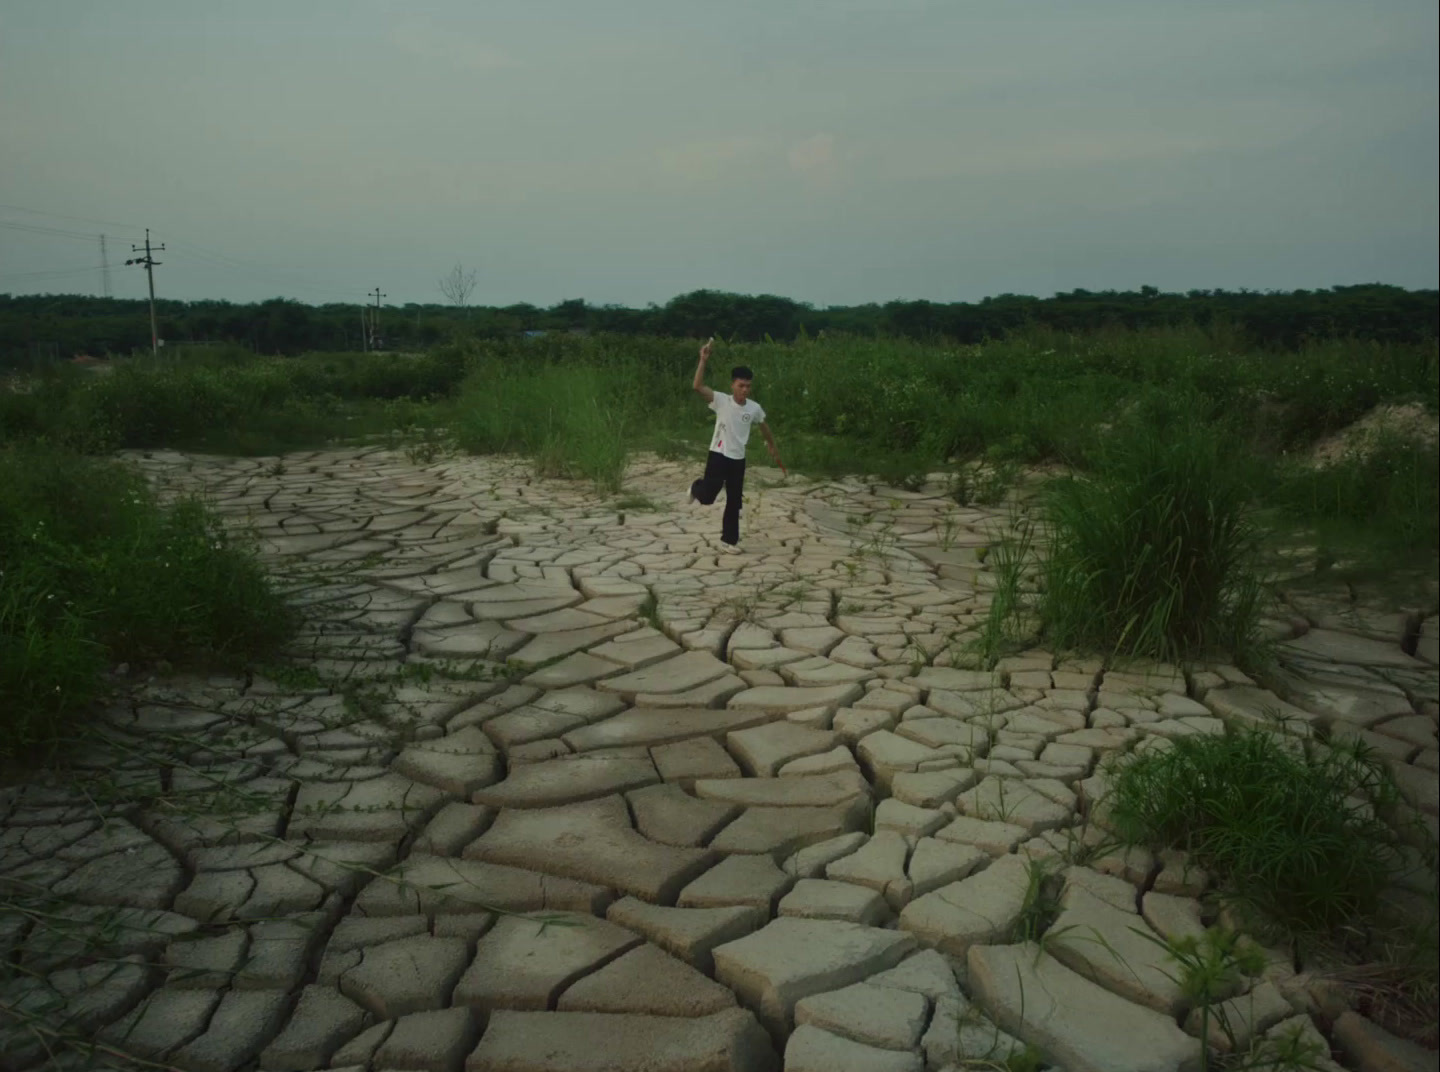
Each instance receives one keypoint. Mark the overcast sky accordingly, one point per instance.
(834, 151)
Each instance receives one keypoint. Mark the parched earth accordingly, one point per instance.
(553, 785)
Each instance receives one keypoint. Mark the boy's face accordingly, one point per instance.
(740, 389)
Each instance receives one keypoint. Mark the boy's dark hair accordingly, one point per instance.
(741, 372)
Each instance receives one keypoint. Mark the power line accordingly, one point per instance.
(63, 216)
(191, 249)
(187, 250)
(48, 272)
(215, 259)
(53, 232)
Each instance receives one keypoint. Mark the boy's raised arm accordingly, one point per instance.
(699, 385)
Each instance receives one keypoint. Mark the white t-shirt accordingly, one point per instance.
(733, 424)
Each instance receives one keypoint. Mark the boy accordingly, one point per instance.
(735, 414)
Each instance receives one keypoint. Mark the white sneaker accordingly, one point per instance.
(729, 549)
(690, 499)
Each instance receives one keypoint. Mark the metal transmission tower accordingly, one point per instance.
(150, 264)
(104, 268)
(375, 318)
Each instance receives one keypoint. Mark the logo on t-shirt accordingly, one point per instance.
(745, 417)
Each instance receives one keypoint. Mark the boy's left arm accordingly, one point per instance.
(774, 450)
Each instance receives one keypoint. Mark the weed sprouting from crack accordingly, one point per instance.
(1009, 623)
(1209, 969)
(649, 611)
(1040, 905)
(949, 529)
(915, 654)
(743, 608)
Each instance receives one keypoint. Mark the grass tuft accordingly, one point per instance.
(1298, 837)
(1153, 554)
(1010, 622)
(1041, 905)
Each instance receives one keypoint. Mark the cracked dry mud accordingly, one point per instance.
(721, 812)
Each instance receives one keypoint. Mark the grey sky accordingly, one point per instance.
(835, 151)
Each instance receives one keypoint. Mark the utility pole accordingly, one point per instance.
(150, 264)
(375, 318)
(104, 268)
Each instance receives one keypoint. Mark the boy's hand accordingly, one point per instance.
(699, 381)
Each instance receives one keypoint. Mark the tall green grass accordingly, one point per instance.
(1153, 552)
(576, 421)
(1299, 837)
(94, 571)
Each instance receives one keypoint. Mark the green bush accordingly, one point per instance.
(1153, 552)
(1297, 836)
(97, 572)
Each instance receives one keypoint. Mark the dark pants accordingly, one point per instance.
(728, 473)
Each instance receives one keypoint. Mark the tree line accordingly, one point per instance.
(60, 326)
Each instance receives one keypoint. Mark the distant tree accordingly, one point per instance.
(40, 327)
(569, 314)
(458, 286)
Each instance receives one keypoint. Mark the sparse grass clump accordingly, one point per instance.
(1297, 836)
(1153, 553)
(94, 571)
(1041, 905)
(1379, 502)
(1010, 621)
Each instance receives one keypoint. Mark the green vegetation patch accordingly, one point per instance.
(1153, 553)
(227, 401)
(1380, 501)
(97, 572)
(1297, 835)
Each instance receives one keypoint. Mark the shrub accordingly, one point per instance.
(95, 572)
(1297, 836)
(1153, 553)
